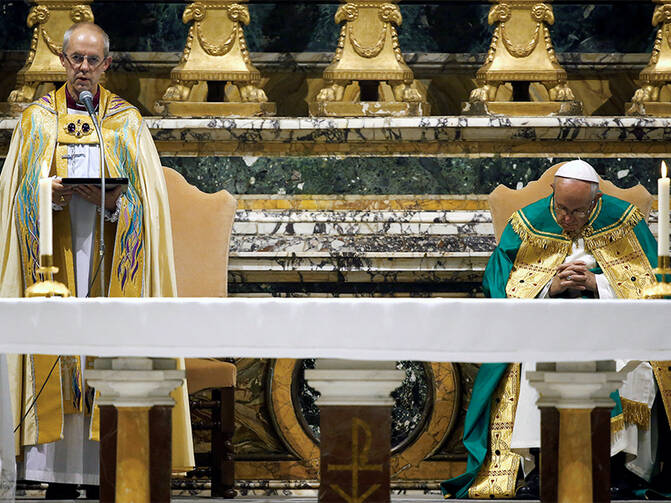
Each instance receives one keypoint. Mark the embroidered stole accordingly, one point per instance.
(47, 131)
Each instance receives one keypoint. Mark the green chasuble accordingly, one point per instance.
(532, 247)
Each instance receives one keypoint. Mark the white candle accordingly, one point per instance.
(663, 204)
(44, 198)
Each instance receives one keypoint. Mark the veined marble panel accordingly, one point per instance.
(590, 26)
(440, 247)
(362, 268)
(456, 136)
(369, 246)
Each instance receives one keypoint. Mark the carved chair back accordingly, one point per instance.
(201, 235)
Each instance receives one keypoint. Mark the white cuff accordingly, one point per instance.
(545, 292)
(603, 287)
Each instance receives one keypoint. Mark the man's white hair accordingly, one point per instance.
(580, 170)
(593, 186)
(76, 26)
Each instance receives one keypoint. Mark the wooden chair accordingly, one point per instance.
(201, 232)
(504, 201)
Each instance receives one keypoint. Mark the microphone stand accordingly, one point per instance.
(87, 99)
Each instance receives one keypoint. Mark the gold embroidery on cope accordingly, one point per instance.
(498, 475)
(662, 370)
(536, 262)
(621, 257)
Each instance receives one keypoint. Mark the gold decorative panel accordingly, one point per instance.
(521, 75)
(368, 76)
(215, 76)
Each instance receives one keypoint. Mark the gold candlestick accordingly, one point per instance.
(521, 75)
(47, 287)
(215, 63)
(42, 72)
(649, 98)
(661, 289)
(368, 76)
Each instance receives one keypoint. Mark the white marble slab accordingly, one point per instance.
(434, 135)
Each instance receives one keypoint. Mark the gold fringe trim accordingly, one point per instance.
(627, 226)
(527, 235)
(616, 424)
(636, 413)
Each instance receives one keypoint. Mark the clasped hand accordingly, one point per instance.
(62, 194)
(574, 278)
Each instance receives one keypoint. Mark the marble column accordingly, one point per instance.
(355, 419)
(135, 387)
(575, 389)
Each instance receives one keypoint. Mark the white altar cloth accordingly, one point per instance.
(465, 330)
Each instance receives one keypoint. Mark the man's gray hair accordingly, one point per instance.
(76, 26)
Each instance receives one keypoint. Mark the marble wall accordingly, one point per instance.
(157, 27)
(389, 175)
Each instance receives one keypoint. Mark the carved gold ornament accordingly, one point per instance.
(39, 16)
(215, 54)
(409, 458)
(236, 13)
(81, 13)
(368, 50)
(647, 99)
(521, 55)
(42, 70)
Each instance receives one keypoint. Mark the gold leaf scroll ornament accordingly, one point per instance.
(39, 15)
(387, 13)
(539, 13)
(236, 13)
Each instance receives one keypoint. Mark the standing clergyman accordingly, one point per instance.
(55, 138)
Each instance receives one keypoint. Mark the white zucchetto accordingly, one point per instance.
(578, 170)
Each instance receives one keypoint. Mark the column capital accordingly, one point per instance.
(354, 382)
(135, 382)
(578, 388)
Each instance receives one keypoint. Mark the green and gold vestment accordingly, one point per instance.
(532, 247)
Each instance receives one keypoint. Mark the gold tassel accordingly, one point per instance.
(627, 226)
(636, 413)
(616, 424)
(523, 231)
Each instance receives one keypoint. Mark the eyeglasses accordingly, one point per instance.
(77, 60)
(577, 213)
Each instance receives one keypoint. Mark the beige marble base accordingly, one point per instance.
(522, 108)
(132, 472)
(215, 109)
(575, 456)
(368, 109)
(652, 108)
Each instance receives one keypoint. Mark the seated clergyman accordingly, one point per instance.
(574, 243)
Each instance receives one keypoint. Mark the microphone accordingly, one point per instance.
(86, 99)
